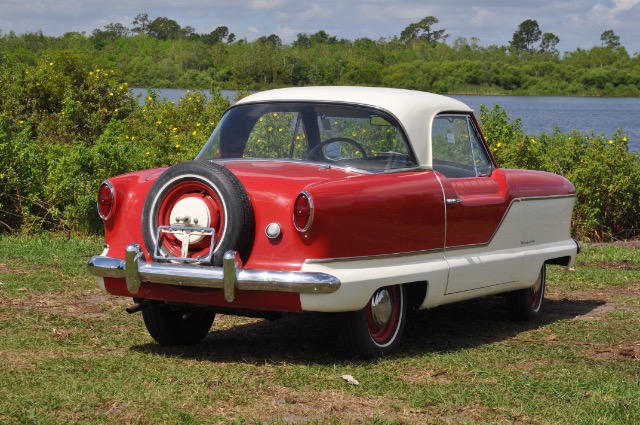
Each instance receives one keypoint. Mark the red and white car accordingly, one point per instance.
(359, 202)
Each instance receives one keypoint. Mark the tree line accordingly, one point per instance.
(161, 53)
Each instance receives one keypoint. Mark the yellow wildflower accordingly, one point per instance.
(193, 133)
(177, 145)
(611, 142)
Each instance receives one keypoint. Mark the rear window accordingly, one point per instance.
(340, 135)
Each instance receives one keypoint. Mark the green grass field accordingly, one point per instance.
(70, 354)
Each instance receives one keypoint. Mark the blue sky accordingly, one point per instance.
(578, 23)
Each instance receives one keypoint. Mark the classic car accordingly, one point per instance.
(351, 201)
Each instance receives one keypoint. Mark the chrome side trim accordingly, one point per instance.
(504, 216)
(413, 253)
(230, 277)
(372, 257)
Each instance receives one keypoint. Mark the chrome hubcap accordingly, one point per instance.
(381, 307)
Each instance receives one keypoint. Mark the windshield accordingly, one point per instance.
(332, 134)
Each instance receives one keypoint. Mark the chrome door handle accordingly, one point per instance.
(453, 201)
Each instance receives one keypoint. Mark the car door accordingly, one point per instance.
(482, 229)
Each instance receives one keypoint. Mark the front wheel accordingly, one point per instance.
(524, 305)
(177, 326)
(376, 330)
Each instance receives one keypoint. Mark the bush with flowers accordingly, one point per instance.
(65, 128)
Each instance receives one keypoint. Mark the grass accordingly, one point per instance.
(70, 354)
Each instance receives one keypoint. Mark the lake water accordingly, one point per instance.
(539, 114)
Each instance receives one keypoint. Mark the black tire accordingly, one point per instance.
(175, 326)
(219, 191)
(524, 305)
(377, 329)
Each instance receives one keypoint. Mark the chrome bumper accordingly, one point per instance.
(231, 276)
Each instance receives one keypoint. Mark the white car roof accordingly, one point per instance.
(414, 109)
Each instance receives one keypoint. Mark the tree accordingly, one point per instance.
(610, 39)
(111, 32)
(302, 41)
(322, 37)
(140, 23)
(222, 34)
(272, 40)
(527, 34)
(164, 29)
(421, 31)
(548, 43)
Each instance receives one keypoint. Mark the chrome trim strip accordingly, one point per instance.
(326, 166)
(504, 216)
(372, 257)
(427, 251)
(229, 277)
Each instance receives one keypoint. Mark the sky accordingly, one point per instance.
(578, 23)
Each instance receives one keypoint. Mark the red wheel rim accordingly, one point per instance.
(182, 190)
(383, 330)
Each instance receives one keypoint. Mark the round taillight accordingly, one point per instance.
(303, 212)
(106, 200)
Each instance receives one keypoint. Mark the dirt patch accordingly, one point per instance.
(622, 351)
(68, 304)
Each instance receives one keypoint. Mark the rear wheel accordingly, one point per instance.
(177, 326)
(525, 304)
(375, 330)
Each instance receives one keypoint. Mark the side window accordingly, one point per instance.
(457, 148)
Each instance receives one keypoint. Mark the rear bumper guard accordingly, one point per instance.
(230, 277)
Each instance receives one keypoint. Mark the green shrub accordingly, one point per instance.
(64, 128)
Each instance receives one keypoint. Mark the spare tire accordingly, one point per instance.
(199, 194)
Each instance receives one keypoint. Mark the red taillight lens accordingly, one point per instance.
(106, 200)
(303, 212)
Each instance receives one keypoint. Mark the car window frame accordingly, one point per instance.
(479, 147)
